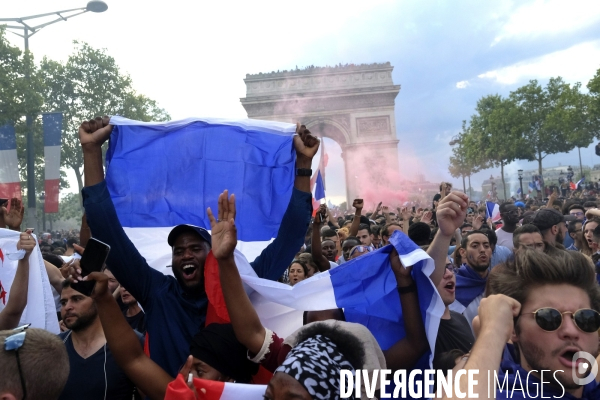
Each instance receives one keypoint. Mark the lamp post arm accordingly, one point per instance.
(19, 20)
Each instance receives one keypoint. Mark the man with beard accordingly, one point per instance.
(548, 309)
(475, 253)
(552, 225)
(94, 374)
(510, 218)
(176, 307)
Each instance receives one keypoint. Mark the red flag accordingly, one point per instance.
(217, 309)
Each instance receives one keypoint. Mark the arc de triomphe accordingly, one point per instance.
(352, 104)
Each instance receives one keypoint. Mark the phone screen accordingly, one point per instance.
(93, 260)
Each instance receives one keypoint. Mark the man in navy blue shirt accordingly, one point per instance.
(176, 307)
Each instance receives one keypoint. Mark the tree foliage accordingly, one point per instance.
(530, 124)
(91, 84)
(545, 113)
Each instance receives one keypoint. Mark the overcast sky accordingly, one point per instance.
(192, 57)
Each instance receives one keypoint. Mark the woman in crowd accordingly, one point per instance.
(297, 271)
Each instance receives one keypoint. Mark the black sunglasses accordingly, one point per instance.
(15, 342)
(550, 319)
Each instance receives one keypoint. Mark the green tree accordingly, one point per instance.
(496, 129)
(544, 118)
(90, 84)
(19, 96)
(464, 160)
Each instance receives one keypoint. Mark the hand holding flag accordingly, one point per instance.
(95, 132)
(306, 146)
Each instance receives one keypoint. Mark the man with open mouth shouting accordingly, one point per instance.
(176, 308)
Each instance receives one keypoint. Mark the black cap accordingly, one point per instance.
(179, 229)
(546, 218)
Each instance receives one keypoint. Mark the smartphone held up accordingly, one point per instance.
(92, 260)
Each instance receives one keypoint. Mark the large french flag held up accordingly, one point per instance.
(10, 184)
(164, 174)
(52, 123)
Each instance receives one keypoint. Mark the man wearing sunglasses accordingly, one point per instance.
(548, 309)
(33, 364)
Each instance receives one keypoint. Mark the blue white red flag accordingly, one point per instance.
(492, 211)
(164, 174)
(52, 126)
(579, 182)
(10, 183)
(155, 186)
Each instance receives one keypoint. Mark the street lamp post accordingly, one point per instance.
(520, 172)
(492, 183)
(95, 6)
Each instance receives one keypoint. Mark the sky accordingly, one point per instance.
(192, 57)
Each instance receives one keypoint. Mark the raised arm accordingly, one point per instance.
(315, 244)
(276, 257)
(244, 319)
(54, 276)
(11, 314)
(124, 345)
(358, 204)
(496, 315)
(406, 352)
(451, 213)
(125, 262)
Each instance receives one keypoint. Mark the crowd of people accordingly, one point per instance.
(520, 295)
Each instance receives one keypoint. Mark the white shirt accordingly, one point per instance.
(504, 238)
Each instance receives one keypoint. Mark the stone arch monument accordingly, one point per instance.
(351, 104)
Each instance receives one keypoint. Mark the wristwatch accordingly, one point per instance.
(303, 172)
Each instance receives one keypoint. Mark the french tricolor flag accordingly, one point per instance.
(492, 211)
(10, 184)
(317, 182)
(52, 123)
(164, 174)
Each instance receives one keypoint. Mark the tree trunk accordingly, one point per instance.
(79, 176)
(580, 165)
(542, 182)
(503, 182)
(470, 191)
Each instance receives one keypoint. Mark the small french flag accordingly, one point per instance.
(492, 211)
(52, 131)
(10, 183)
(213, 390)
